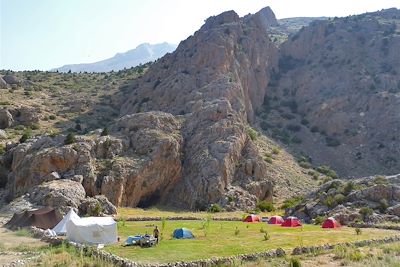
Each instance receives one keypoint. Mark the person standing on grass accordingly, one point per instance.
(156, 233)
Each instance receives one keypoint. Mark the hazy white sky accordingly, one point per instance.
(43, 34)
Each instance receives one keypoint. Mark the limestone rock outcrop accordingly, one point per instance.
(61, 194)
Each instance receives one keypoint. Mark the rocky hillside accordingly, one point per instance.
(337, 93)
(231, 117)
(142, 54)
(183, 136)
(371, 199)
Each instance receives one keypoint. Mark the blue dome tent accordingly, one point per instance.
(183, 233)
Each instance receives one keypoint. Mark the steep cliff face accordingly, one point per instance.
(339, 78)
(215, 80)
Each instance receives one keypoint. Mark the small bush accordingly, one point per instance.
(319, 220)
(358, 231)
(105, 132)
(339, 198)
(266, 236)
(383, 205)
(252, 133)
(24, 138)
(237, 231)
(215, 208)
(70, 139)
(265, 206)
(52, 117)
(293, 127)
(262, 230)
(292, 202)
(380, 179)
(275, 151)
(330, 202)
(331, 141)
(348, 188)
(97, 210)
(366, 212)
(295, 262)
(2, 149)
(305, 164)
(35, 126)
(327, 171)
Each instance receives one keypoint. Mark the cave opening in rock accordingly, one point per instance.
(149, 200)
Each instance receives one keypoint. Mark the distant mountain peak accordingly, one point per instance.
(143, 53)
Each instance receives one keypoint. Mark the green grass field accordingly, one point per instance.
(124, 213)
(218, 239)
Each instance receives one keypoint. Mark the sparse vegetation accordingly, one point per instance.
(265, 206)
(327, 171)
(70, 139)
(366, 212)
(252, 133)
(215, 208)
(292, 202)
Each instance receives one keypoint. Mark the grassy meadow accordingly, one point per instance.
(222, 239)
(126, 213)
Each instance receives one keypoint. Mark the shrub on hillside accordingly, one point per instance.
(331, 141)
(215, 208)
(24, 137)
(252, 133)
(265, 206)
(319, 220)
(105, 132)
(348, 188)
(292, 202)
(70, 139)
(339, 199)
(327, 171)
(295, 262)
(366, 212)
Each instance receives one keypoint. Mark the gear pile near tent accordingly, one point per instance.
(331, 223)
(275, 220)
(291, 222)
(44, 218)
(252, 218)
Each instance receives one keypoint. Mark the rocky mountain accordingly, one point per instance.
(231, 117)
(143, 53)
(337, 91)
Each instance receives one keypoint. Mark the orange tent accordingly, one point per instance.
(252, 218)
(291, 222)
(275, 220)
(331, 223)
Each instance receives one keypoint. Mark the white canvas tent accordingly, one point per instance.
(61, 227)
(92, 230)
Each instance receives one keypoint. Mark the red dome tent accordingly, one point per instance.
(275, 220)
(252, 218)
(330, 223)
(291, 222)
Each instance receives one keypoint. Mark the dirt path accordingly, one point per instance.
(16, 249)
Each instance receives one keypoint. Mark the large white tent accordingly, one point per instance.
(92, 230)
(61, 227)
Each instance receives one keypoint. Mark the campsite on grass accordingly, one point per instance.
(226, 238)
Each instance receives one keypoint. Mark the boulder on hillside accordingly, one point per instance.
(60, 194)
(11, 79)
(6, 119)
(25, 115)
(96, 206)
